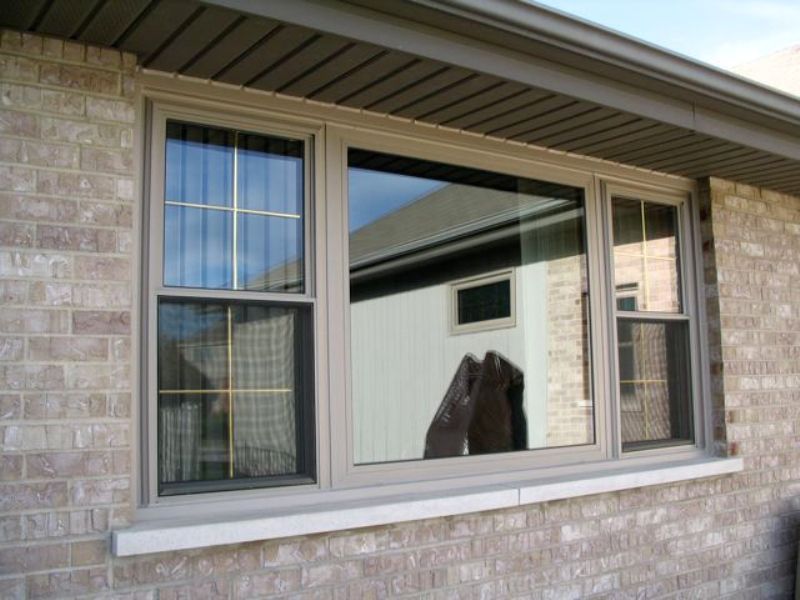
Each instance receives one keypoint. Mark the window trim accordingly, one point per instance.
(327, 125)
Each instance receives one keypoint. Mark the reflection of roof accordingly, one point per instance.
(780, 70)
(449, 213)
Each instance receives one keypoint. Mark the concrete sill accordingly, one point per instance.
(155, 536)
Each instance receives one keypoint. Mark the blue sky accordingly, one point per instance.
(724, 33)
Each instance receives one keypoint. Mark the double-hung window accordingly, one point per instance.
(445, 311)
(231, 309)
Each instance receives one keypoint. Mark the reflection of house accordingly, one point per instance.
(403, 267)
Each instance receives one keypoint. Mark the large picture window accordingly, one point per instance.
(416, 227)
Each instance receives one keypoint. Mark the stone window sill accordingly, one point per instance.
(160, 536)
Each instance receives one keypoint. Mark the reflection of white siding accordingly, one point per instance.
(404, 357)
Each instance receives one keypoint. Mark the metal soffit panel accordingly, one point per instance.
(210, 42)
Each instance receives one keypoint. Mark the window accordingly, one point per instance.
(652, 325)
(404, 311)
(233, 322)
(483, 303)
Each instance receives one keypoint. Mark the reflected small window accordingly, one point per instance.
(483, 304)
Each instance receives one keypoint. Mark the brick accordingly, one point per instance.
(47, 154)
(33, 558)
(82, 132)
(17, 179)
(74, 185)
(63, 103)
(20, 264)
(68, 583)
(28, 320)
(103, 268)
(16, 234)
(18, 123)
(75, 405)
(11, 348)
(18, 68)
(105, 214)
(84, 239)
(10, 406)
(106, 160)
(67, 348)
(11, 467)
(36, 208)
(92, 552)
(102, 109)
(82, 78)
(101, 322)
(30, 496)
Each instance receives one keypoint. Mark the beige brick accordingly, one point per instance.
(28, 320)
(106, 214)
(84, 239)
(20, 264)
(63, 103)
(267, 583)
(11, 348)
(92, 552)
(36, 208)
(30, 496)
(16, 234)
(18, 68)
(100, 322)
(82, 78)
(106, 160)
(68, 348)
(47, 154)
(11, 466)
(33, 558)
(69, 583)
(18, 123)
(74, 405)
(14, 95)
(103, 268)
(17, 179)
(75, 185)
(10, 406)
(83, 132)
(102, 109)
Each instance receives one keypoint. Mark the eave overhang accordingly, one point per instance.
(499, 68)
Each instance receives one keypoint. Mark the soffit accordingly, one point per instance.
(392, 74)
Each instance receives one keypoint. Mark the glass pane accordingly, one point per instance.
(484, 302)
(233, 394)
(199, 164)
(646, 259)
(270, 174)
(197, 247)
(655, 398)
(420, 390)
(270, 253)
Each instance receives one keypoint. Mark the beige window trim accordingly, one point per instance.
(330, 130)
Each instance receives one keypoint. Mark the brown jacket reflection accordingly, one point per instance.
(482, 410)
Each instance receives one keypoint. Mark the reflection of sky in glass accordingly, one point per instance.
(373, 195)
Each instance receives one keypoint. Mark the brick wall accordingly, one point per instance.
(66, 197)
(66, 218)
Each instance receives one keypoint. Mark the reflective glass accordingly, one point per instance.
(198, 245)
(270, 174)
(646, 260)
(232, 393)
(655, 399)
(419, 388)
(218, 235)
(199, 164)
(270, 251)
